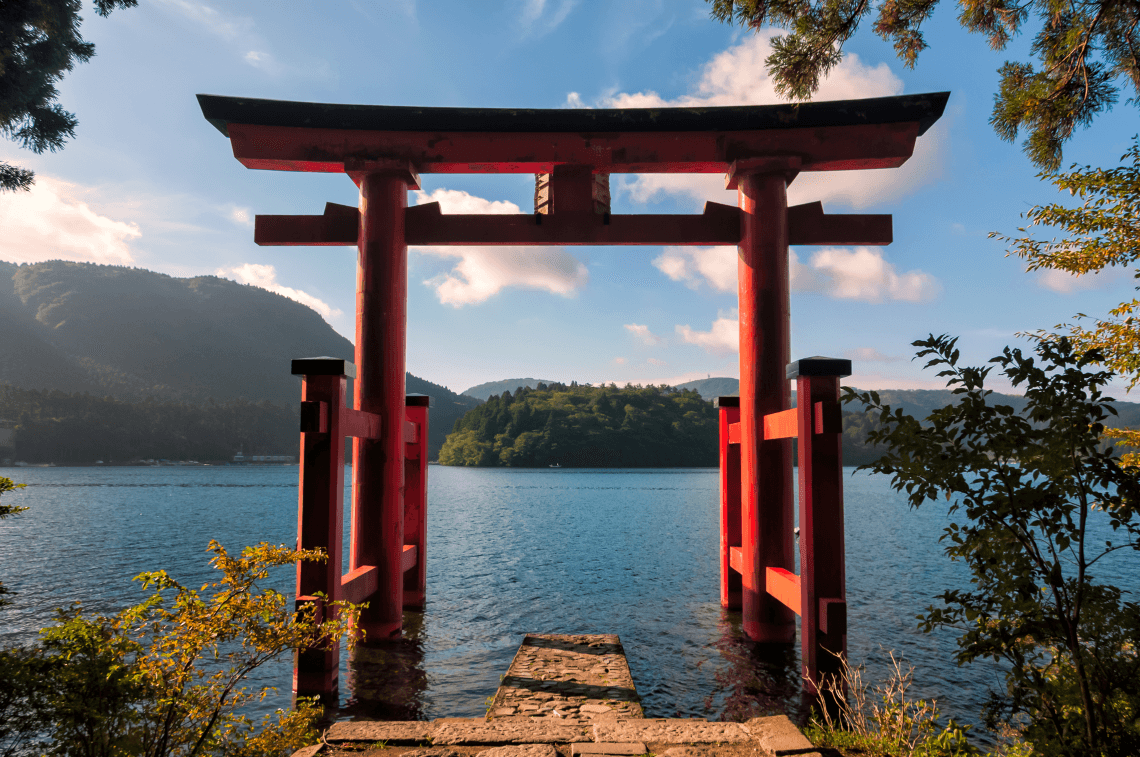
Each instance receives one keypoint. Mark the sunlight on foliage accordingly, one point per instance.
(1030, 486)
(1103, 232)
(164, 677)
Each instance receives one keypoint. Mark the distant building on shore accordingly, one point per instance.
(243, 459)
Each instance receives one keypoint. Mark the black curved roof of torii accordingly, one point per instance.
(924, 109)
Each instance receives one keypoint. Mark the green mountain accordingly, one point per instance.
(711, 388)
(586, 426)
(132, 334)
(484, 391)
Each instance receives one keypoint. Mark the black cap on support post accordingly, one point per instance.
(732, 401)
(819, 366)
(323, 366)
(417, 400)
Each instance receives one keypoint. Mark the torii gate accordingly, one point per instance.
(760, 149)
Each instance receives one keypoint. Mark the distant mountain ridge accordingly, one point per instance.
(485, 391)
(131, 333)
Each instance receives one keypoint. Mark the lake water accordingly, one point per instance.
(510, 551)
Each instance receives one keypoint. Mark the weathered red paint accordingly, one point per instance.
(835, 148)
(378, 469)
(730, 587)
(822, 563)
(415, 501)
(718, 225)
(319, 507)
(767, 540)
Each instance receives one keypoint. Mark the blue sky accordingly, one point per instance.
(147, 182)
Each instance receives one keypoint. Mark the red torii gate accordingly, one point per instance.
(760, 150)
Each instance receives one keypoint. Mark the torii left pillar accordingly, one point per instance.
(381, 339)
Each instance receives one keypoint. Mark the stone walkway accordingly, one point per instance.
(565, 696)
(568, 676)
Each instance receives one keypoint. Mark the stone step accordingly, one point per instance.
(776, 735)
(568, 677)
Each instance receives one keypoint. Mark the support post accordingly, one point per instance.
(321, 500)
(767, 539)
(823, 582)
(381, 323)
(415, 500)
(729, 414)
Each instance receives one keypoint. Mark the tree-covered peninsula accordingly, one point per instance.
(585, 426)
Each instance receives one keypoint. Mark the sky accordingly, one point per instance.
(148, 182)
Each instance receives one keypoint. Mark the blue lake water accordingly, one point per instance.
(510, 551)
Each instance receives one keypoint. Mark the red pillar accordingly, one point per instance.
(823, 581)
(381, 322)
(320, 506)
(415, 501)
(765, 350)
(729, 412)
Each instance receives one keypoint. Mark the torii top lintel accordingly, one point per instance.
(822, 136)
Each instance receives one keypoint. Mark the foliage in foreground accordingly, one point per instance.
(165, 677)
(1101, 233)
(1035, 491)
(883, 720)
(1086, 52)
(8, 485)
(39, 42)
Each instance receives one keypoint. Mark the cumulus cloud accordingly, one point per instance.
(722, 339)
(862, 274)
(53, 221)
(715, 266)
(265, 276)
(619, 361)
(853, 274)
(737, 76)
(483, 272)
(643, 334)
(655, 361)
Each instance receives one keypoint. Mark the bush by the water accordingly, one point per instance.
(586, 426)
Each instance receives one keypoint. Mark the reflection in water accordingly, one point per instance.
(386, 679)
(757, 679)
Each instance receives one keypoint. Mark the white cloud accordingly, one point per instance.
(484, 271)
(870, 355)
(265, 276)
(619, 361)
(52, 221)
(1064, 282)
(716, 266)
(655, 361)
(738, 76)
(860, 273)
(722, 339)
(643, 334)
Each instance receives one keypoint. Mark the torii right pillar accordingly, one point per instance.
(766, 475)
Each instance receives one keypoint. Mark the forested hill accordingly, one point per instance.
(584, 426)
(136, 336)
